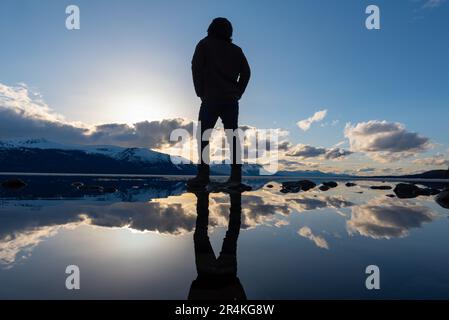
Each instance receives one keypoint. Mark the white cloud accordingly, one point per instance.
(172, 215)
(385, 141)
(293, 165)
(305, 203)
(340, 144)
(366, 169)
(24, 243)
(317, 117)
(281, 223)
(319, 241)
(336, 153)
(382, 218)
(21, 244)
(304, 151)
(439, 160)
(23, 114)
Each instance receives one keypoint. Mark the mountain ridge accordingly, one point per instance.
(40, 155)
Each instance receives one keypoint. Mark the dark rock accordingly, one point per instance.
(407, 190)
(443, 198)
(391, 196)
(77, 184)
(350, 184)
(92, 188)
(215, 187)
(110, 190)
(381, 187)
(330, 184)
(296, 186)
(269, 186)
(292, 189)
(306, 185)
(430, 192)
(324, 188)
(13, 184)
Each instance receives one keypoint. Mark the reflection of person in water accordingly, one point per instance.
(217, 278)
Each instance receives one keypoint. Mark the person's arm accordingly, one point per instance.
(197, 70)
(245, 74)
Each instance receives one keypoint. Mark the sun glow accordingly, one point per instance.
(132, 108)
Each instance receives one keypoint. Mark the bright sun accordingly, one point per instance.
(134, 108)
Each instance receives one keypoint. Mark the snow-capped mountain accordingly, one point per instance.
(41, 155)
(119, 153)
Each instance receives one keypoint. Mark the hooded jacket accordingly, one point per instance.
(220, 69)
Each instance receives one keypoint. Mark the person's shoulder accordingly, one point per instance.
(236, 48)
(202, 43)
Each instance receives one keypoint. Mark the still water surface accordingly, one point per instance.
(154, 240)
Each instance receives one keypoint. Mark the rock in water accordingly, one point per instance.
(430, 192)
(443, 199)
(381, 187)
(110, 190)
(350, 184)
(324, 188)
(77, 184)
(92, 188)
(407, 190)
(13, 184)
(296, 186)
(306, 185)
(290, 189)
(214, 187)
(330, 184)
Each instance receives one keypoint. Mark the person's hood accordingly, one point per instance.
(220, 28)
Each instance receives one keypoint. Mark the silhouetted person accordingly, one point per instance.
(217, 278)
(220, 76)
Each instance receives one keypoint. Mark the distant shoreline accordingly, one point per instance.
(183, 177)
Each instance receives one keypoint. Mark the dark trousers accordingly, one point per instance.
(228, 112)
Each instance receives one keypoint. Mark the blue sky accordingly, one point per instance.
(131, 62)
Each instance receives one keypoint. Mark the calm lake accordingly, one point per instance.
(148, 238)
